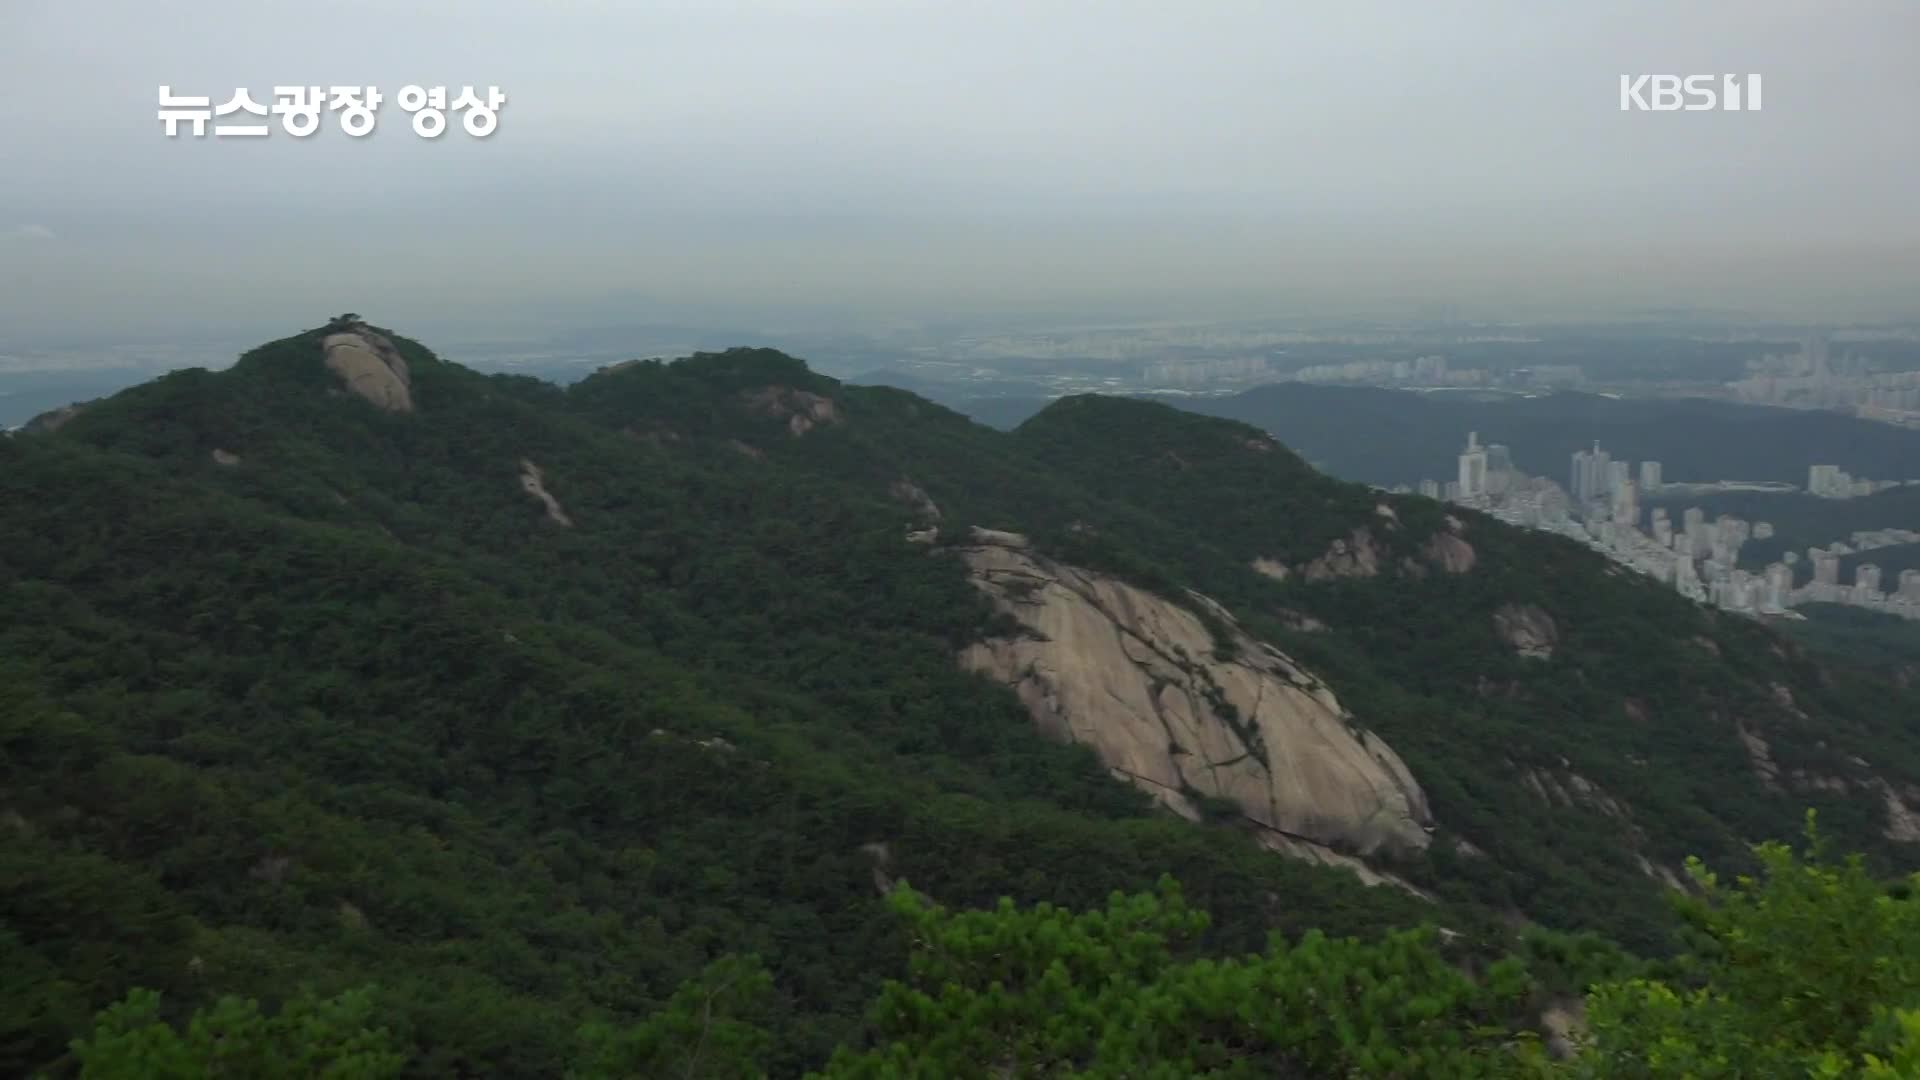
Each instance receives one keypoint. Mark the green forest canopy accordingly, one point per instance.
(348, 727)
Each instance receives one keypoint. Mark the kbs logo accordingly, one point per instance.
(1692, 93)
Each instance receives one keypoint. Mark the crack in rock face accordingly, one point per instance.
(1144, 682)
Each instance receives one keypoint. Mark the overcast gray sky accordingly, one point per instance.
(914, 159)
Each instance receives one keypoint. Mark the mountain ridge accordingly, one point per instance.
(363, 659)
(1697, 439)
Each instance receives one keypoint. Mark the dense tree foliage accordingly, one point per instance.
(343, 708)
(232, 1038)
(1885, 643)
(1045, 992)
(1811, 970)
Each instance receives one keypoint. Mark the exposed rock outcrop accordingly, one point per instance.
(1272, 568)
(881, 854)
(1450, 553)
(911, 493)
(1528, 629)
(534, 483)
(1571, 789)
(1299, 620)
(371, 367)
(225, 457)
(1783, 697)
(1804, 780)
(1903, 824)
(803, 410)
(1564, 1021)
(1760, 755)
(1201, 724)
(1354, 556)
(1661, 874)
(662, 436)
(52, 420)
(1307, 850)
(997, 538)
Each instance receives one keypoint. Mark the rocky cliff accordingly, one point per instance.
(370, 366)
(1179, 700)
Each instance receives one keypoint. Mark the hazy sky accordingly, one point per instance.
(916, 159)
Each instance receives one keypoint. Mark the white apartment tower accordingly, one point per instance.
(1591, 470)
(1626, 503)
(1499, 469)
(1473, 468)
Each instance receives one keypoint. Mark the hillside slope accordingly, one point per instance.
(349, 664)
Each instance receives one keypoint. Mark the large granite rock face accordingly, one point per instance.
(1145, 683)
(371, 367)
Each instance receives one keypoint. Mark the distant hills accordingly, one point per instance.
(1389, 437)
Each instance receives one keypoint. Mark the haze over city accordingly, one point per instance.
(846, 163)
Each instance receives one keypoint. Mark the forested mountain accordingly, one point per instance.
(529, 707)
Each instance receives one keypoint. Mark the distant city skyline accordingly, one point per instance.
(1601, 508)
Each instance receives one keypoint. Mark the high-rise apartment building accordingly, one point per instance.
(1473, 468)
(1626, 503)
(1617, 474)
(1591, 470)
(1866, 580)
(1499, 469)
(1826, 569)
